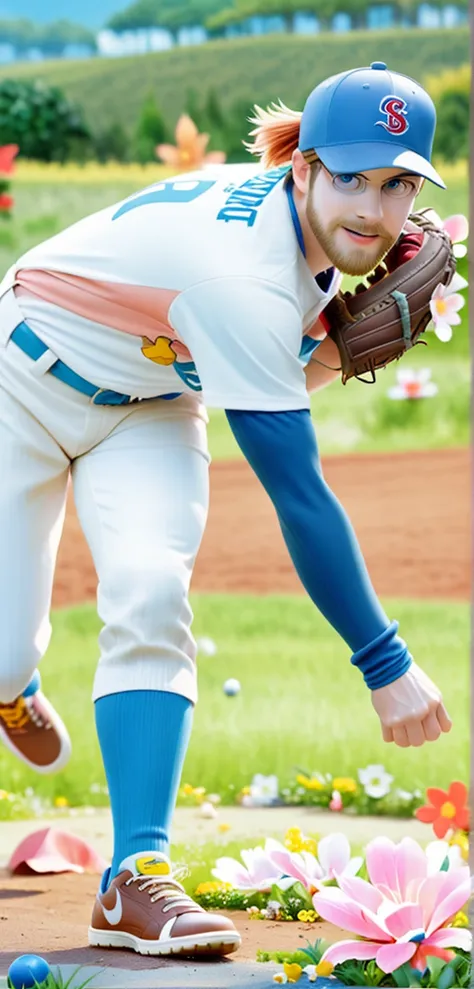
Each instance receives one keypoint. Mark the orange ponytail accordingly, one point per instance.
(276, 134)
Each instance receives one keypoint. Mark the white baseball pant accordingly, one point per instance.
(140, 475)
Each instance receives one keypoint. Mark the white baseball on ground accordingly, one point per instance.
(231, 687)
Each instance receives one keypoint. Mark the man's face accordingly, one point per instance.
(341, 209)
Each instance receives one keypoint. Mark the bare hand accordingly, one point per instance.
(411, 709)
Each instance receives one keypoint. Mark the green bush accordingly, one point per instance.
(41, 121)
(150, 131)
(450, 92)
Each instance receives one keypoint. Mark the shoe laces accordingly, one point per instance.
(16, 714)
(160, 888)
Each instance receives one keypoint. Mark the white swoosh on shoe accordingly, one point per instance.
(114, 916)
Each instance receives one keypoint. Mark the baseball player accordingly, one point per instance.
(204, 290)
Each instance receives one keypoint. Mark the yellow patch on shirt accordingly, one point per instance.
(160, 351)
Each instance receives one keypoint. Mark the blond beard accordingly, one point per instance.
(350, 262)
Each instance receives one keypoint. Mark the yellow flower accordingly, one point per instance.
(245, 791)
(188, 789)
(211, 887)
(324, 968)
(307, 916)
(61, 802)
(223, 826)
(4, 795)
(462, 840)
(345, 784)
(460, 920)
(310, 845)
(293, 971)
(310, 783)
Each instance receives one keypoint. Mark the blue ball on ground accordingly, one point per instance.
(28, 971)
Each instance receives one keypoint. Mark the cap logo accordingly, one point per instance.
(395, 110)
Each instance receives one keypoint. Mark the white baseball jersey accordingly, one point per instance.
(196, 284)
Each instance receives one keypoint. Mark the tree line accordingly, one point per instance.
(217, 15)
(50, 39)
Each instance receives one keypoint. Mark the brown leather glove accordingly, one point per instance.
(376, 325)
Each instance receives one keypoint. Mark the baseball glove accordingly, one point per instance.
(376, 325)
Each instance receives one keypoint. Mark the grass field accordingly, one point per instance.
(351, 418)
(301, 702)
(244, 70)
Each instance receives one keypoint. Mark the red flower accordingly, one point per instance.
(7, 153)
(6, 202)
(448, 809)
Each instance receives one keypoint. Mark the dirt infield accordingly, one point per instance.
(410, 512)
(50, 915)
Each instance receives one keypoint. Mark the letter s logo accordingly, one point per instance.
(395, 110)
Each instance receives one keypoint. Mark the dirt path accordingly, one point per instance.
(410, 512)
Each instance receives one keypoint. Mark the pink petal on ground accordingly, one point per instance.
(457, 227)
(450, 937)
(334, 852)
(332, 904)
(361, 891)
(52, 850)
(407, 917)
(381, 862)
(343, 950)
(391, 956)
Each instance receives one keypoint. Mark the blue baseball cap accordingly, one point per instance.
(370, 118)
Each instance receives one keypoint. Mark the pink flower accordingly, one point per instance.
(190, 150)
(257, 873)
(445, 304)
(336, 801)
(333, 860)
(403, 914)
(457, 228)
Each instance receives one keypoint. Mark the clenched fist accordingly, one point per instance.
(411, 709)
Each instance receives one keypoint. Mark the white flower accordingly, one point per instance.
(281, 977)
(311, 972)
(263, 790)
(413, 384)
(375, 780)
(206, 646)
(436, 852)
(403, 794)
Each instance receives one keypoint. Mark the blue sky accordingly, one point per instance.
(93, 13)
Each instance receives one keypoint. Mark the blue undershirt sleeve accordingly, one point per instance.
(281, 448)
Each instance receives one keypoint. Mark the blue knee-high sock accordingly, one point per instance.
(143, 736)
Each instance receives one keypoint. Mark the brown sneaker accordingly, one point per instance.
(146, 909)
(32, 730)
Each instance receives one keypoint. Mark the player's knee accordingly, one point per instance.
(150, 597)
